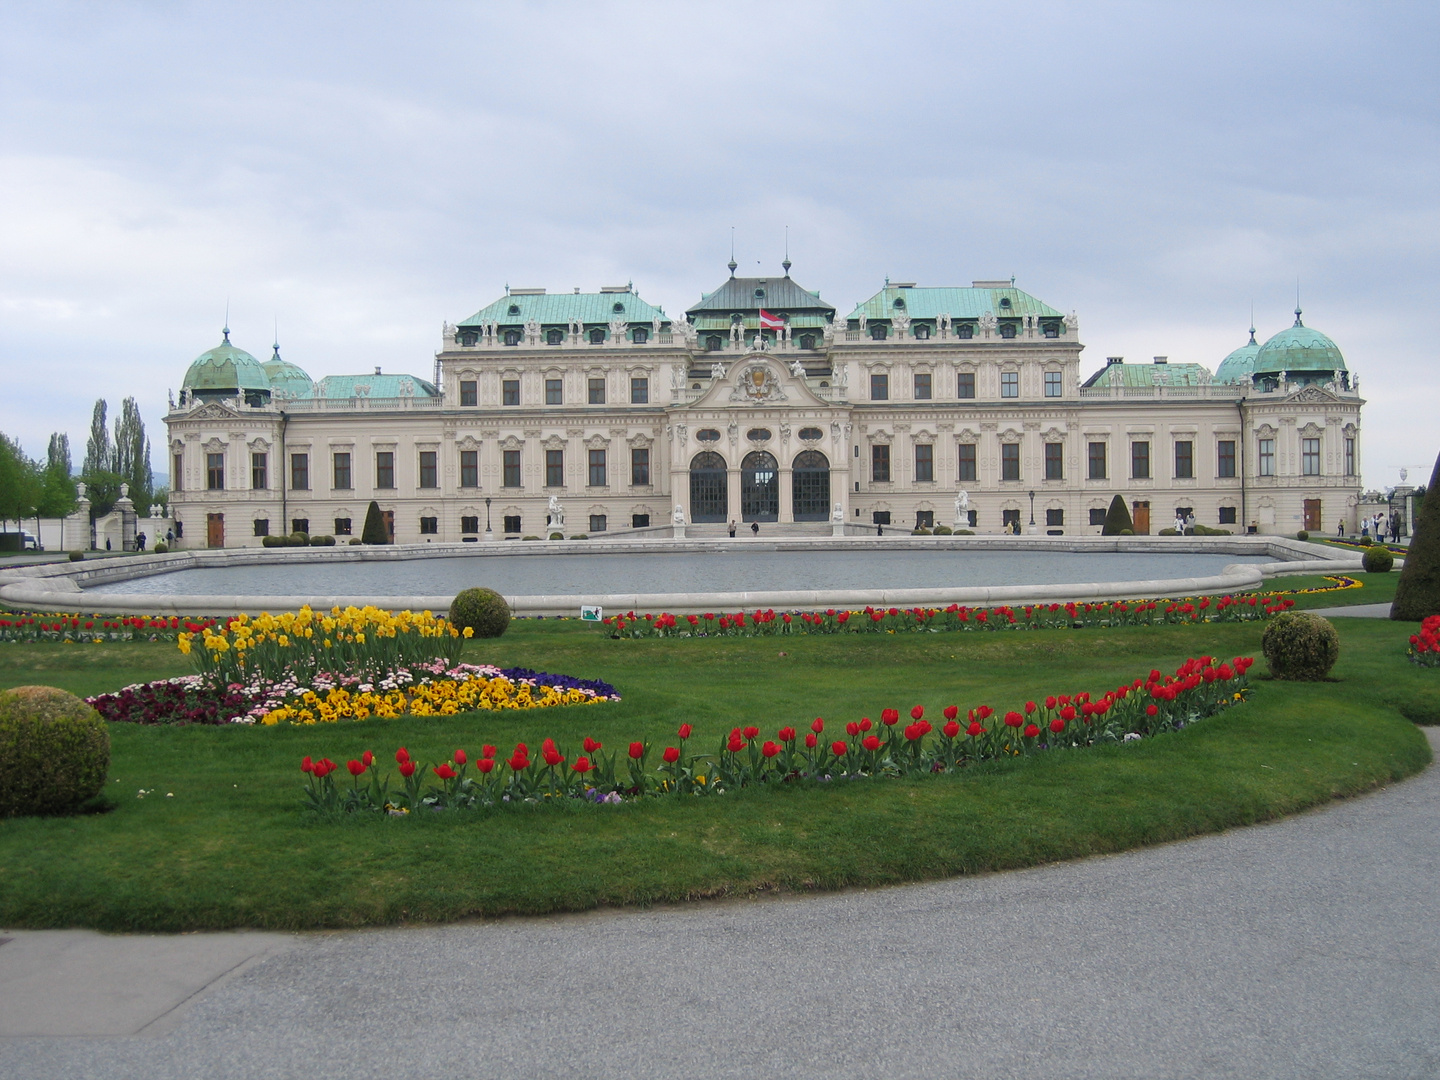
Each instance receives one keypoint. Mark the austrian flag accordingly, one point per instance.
(770, 322)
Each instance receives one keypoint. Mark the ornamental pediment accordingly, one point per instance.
(757, 379)
(1313, 395)
(213, 410)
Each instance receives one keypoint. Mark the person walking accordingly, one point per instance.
(732, 528)
(140, 541)
(1179, 525)
(755, 528)
(1340, 529)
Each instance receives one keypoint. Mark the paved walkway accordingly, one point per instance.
(1354, 611)
(1304, 948)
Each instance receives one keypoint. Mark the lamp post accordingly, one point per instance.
(489, 535)
(1032, 511)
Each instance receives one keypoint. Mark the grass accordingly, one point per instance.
(232, 847)
(1375, 589)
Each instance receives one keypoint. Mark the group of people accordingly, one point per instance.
(1377, 525)
(1184, 523)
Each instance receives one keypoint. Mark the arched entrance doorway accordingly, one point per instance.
(709, 497)
(811, 486)
(759, 487)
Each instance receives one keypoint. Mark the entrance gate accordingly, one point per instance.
(215, 530)
(811, 486)
(709, 494)
(759, 487)
(1140, 518)
(1312, 515)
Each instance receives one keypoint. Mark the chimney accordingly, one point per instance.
(1114, 360)
(1162, 359)
(377, 370)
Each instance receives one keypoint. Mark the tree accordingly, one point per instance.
(19, 482)
(374, 531)
(1417, 593)
(1117, 518)
(99, 457)
(58, 456)
(132, 454)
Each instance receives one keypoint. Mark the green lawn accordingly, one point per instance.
(232, 847)
(1375, 589)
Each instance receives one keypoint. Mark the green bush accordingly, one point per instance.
(1377, 560)
(580, 536)
(299, 539)
(1300, 645)
(355, 541)
(1417, 593)
(920, 530)
(529, 538)
(1205, 530)
(374, 531)
(322, 541)
(483, 610)
(161, 548)
(273, 541)
(54, 751)
(1302, 535)
(1117, 519)
(944, 530)
(557, 536)
(1168, 532)
(963, 532)
(77, 556)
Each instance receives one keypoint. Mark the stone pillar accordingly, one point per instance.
(732, 494)
(787, 495)
(128, 521)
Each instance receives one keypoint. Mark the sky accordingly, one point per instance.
(357, 174)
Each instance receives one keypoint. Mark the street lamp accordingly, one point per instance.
(1032, 508)
(489, 535)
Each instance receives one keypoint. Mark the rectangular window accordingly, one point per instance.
(342, 526)
(1225, 457)
(512, 471)
(1227, 515)
(924, 461)
(639, 521)
(510, 392)
(597, 468)
(1054, 518)
(511, 523)
(262, 526)
(1009, 384)
(259, 472)
(965, 384)
(469, 526)
(1267, 457)
(554, 392)
(1140, 461)
(300, 525)
(1010, 461)
(967, 461)
(384, 469)
(1349, 459)
(1097, 515)
(1184, 460)
(215, 472)
(1054, 380)
(429, 526)
(597, 523)
(924, 519)
(879, 387)
(880, 464)
(429, 473)
(922, 386)
(554, 468)
(640, 466)
(597, 392)
(341, 469)
(468, 394)
(639, 391)
(178, 469)
(469, 468)
(1054, 461)
(1097, 461)
(299, 472)
(1310, 457)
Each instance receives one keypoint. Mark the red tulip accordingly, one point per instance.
(1031, 731)
(1030, 707)
(1057, 726)
(914, 732)
(810, 740)
(951, 729)
(838, 748)
(1013, 719)
(890, 717)
(407, 768)
(871, 743)
(460, 757)
(671, 755)
(487, 751)
(951, 712)
(402, 755)
(865, 724)
(591, 745)
(582, 765)
(917, 712)
(485, 764)
(1050, 702)
(637, 750)
(1068, 712)
(307, 765)
(984, 712)
(736, 744)
(786, 734)
(551, 755)
(1152, 710)
(368, 758)
(685, 730)
(445, 772)
(355, 767)
(817, 725)
(751, 732)
(852, 729)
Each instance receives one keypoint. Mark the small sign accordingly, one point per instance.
(591, 614)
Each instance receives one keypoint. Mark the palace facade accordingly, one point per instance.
(762, 403)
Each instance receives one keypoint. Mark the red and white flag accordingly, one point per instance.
(770, 322)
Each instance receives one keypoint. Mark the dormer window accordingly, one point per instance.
(807, 341)
(1007, 330)
(965, 331)
(899, 303)
(1005, 302)
(618, 308)
(640, 335)
(922, 332)
(878, 331)
(469, 337)
(759, 294)
(512, 337)
(712, 343)
(1052, 330)
(514, 309)
(554, 337)
(597, 336)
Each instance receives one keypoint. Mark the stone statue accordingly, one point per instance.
(1071, 321)
(171, 395)
(842, 376)
(962, 508)
(863, 321)
(557, 513)
(797, 369)
(532, 332)
(618, 330)
(901, 321)
(838, 515)
(717, 370)
(80, 489)
(655, 327)
(124, 491)
(677, 377)
(944, 324)
(737, 334)
(832, 329)
(988, 322)
(678, 517)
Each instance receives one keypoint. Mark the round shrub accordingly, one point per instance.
(943, 530)
(530, 538)
(483, 610)
(1126, 532)
(355, 541)
(920, 530)
(1377, 560)
(322, 541)
(77, 556)
(557, 536)
(963, 532)
(1302, 535)
(580, 536)
(54, 751)
(1300, 645)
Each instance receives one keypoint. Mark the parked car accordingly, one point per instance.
(27, 541)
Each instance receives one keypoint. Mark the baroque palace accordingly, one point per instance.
(763, 403)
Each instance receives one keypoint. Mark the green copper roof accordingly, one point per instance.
(780, 296)
(1298, 348)
(1143, 375)
(287, 380)
(225, 369)
(558, 309)
(957, 303)
(1240, 363)
(374, 386)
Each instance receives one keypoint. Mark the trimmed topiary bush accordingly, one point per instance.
(1377, 560)
(580, 536)
(484, 611)
(77, 556)
(1417, 593)
(1302, 535)
(920, 530)
(1300, 645)
(944, 530)
(557, 536)
(1117, 519)
(355, 541)
(322, 541)
(374, 531)
(963, 532)
(54, 751)
(529, 538)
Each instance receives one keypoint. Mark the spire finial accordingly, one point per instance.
(732, 264)
(1297, 303)
(276, 346)
(786, 264)
(1252, 321)
(226, 331)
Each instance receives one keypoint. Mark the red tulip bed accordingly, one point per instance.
(955, 617)
(1425, 646)
(1198, 689)
(28, 627)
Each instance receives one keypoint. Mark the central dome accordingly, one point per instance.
(1299, 350)
(226, 371)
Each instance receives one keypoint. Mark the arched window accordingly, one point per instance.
(555, 337)
(1007, 330)
(922, 332)
(759, 487)
(469, 337)
(709, 495)
(965, 331)
(811, 485)
(878, 331)
(597, 336)
(807, 341)
(640, 335)
(713, 343)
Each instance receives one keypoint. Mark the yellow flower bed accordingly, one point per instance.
(443, 698)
